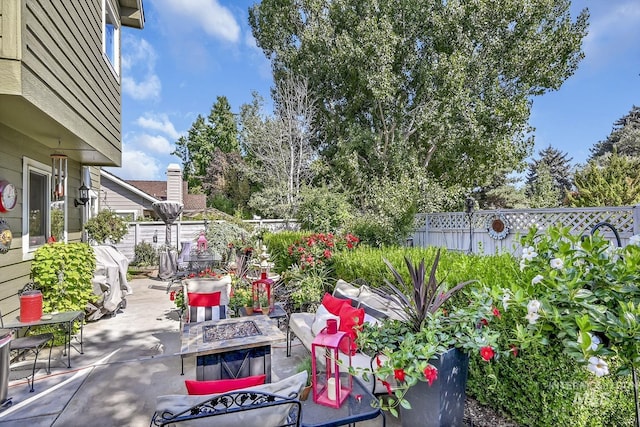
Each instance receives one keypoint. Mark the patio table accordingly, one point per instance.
(64, 318)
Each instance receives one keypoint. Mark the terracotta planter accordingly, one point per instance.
(305, 392)
(442, 403)
(248, 310)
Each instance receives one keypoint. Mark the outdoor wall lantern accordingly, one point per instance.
(331, 387)
(83, 195)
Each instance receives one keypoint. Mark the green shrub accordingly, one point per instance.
(278, 245)
(63, 273)
(221, 233)
(145, 255)
(323, 210)
(105, 227)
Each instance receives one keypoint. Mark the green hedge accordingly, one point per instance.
(278, 245)
(540, 387)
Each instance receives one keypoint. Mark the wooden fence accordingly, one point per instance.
(480, 232)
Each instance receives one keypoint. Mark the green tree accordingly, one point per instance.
(447, 83)
(556, 164)
(323, 210)
(543, 193)
(196, 150)
(613, 181)
(625, 137)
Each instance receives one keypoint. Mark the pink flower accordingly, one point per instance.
(514, 350)
(496, 312)
(487, 353)
(431, 374)
(327, 253)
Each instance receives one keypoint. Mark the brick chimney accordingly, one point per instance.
(174, 183)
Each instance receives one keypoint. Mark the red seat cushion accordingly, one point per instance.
(351, 320)
(204, 300)
(333, 304)
(223, 386)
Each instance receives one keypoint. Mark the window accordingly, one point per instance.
(36, 201)
(110, 36)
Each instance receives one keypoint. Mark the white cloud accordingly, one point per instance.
(156, 143)
(139, 79)
(215, 19)
(160, 123)
(137, 164)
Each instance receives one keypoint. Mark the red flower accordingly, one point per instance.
(496, 312)
(514, 350)
(487, 353)
(327, 253)
(349, 245)
(399, 374)
(378, 362)
(388, 386)
(431, 374)
(172, 296)
(51, 239)
(484, 322)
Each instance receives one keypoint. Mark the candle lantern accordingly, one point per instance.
(331, 387)
(202, 242)
(260, 290)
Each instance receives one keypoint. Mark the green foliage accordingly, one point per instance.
(279, 243)
(57, 224)
(624, 138)
(549, 178)
(542, 192)
(447, 83)
(323, 210)
(304, 288)
(145, 255)
(63, 273)
(614, 180)
(221, 233)
(106, 227)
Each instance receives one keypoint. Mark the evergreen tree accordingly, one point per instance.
(612, 181)
(544, 192)
(625, 137)
(558, 166)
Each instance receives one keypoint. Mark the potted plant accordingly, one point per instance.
(423, 358)
(305, 365)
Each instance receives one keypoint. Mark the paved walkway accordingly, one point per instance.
(129, 359)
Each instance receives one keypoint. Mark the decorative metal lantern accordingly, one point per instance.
(202, 242)
(331, 387)
(261, 289)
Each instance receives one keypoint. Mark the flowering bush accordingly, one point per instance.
(582, 291)
(207, 273)
(317, 249)
(431, 325)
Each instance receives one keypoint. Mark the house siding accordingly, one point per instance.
(14, 269)
(119, 199)
(65, 74)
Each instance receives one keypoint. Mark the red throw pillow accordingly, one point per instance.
(333, 304)
(351, 320)
(204, 300)
(223, 386)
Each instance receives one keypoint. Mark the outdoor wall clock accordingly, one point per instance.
(8, 196)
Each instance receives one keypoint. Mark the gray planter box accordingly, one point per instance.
(442, 403)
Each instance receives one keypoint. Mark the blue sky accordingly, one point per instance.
(192, 51)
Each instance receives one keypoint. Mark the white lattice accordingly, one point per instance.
(451, 229)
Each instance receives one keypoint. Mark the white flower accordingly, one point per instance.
(537, 279)
(523, 264)
(598, 366)
(634, 240)
(532, 317)
(557, 263)
(533, 306)
(505, 300)
(529, 253)
(594, 341)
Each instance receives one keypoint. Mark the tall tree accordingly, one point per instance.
(447, 83)
(196, 150)
(556, 164)
(543, 191)
(612, 181)
(625, 137)
(280, 147)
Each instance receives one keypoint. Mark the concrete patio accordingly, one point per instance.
(129, 359)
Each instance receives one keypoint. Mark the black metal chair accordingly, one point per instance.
(21, 347)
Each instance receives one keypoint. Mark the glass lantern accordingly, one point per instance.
(260, 290)
(331, 387)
